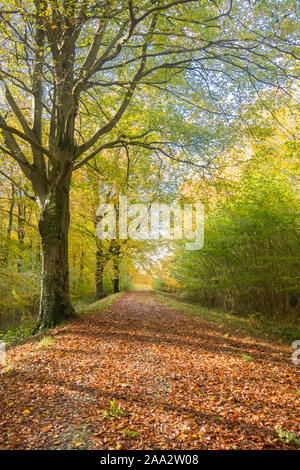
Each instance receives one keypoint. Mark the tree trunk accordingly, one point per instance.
(116, 283)
(10, 227)
(21, 231)
(99, 273)
(81, 266)
(116, 280)
(55, 304)
(115, 256)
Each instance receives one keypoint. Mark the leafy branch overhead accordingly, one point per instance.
(75, 55)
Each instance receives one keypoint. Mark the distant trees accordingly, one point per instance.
(120, 172)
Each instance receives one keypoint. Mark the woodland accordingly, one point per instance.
(123, 343)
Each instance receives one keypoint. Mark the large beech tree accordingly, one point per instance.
(62, 59)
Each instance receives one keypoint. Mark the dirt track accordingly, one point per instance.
(181, 383)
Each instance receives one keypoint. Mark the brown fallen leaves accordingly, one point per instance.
(182, 384)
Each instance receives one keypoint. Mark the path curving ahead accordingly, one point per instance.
(180, 383)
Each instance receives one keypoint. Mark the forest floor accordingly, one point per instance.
(141, 375)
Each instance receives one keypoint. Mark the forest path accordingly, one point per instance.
(179, 383)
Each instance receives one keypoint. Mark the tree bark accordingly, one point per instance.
(21, 231)
(116, 280)
(116, 283)
(10, 226)
(99, 274)
(81, 267)
(55, 303)
(115, 253)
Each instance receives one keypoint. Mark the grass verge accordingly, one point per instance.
(273, 330)
(22, 333)
(98, 305)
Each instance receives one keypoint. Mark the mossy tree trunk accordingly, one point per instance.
(55, 304)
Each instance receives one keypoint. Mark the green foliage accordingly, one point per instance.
(17, 334)
(130, 434)
(19, 290)
(287, 437)
(247, 357)
(19, 300)
(126, 283)
(46, 342)
(251, 257)
(114, 411)
(159, 284)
